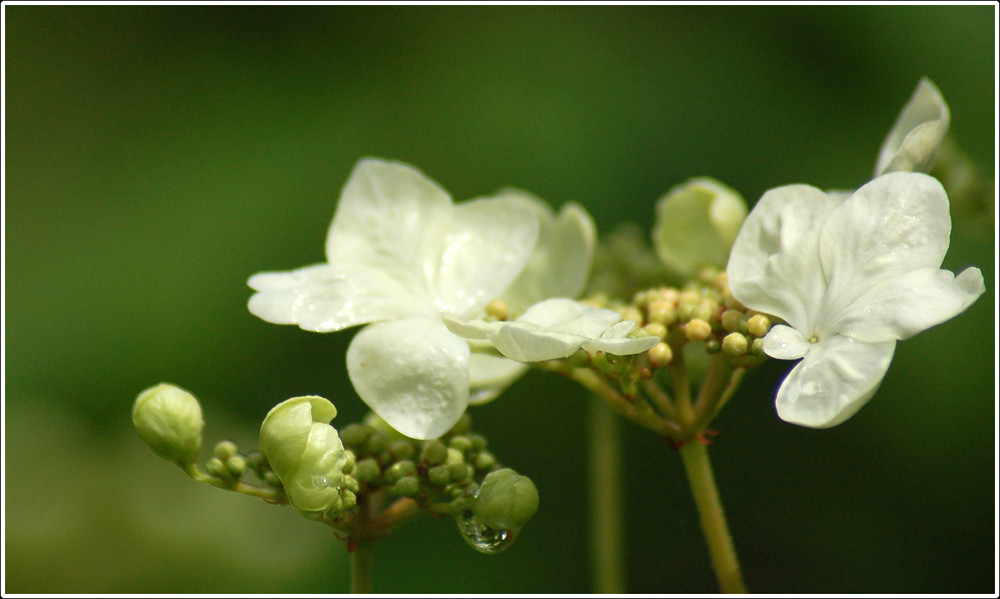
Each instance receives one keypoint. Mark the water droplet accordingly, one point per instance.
(482, 538)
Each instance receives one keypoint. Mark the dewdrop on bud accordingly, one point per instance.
(306, 454)
(168, 420)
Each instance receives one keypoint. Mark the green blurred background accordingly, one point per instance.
(157, 156)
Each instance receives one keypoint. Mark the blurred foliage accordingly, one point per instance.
(156, 156)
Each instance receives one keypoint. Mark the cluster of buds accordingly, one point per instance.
(426, 471)
(343, 479)
(706, 336)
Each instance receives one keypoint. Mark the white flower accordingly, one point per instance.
(556, 328)
(400, 255)
(558, 267)
(850, 276)
(913, 143)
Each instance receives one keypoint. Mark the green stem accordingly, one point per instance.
(713, 520)
(604, 457)
(361, 554)
(361, 568)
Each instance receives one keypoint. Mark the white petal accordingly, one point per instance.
(486, 245)
(913, 142)
(413, 373)
(785, 343)
(322, 298)
(568, 316)
(560, 264)
(526, 342)
(616, 341)
(908, 304)
(834, 380)
(893, 225)
(774, 266)
(490, 375)
(383, 219)
(471, 329)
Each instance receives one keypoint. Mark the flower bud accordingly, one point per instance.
(735, 344)
(168, 419)
(506, 500)
(660, 355)
(306, 454)
(759, 325)
(696, 225)
(434, 452)
(697, 330)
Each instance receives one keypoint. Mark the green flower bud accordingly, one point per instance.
(464, 423)
(478, 441)
(408, 486)
(696, 225)
(305, 453)
(731, 320)
(439, 475)
(506, 500)
(377, 443)
(168, 420)
(484, 460)
(236, 466)
(367, 470)
(225, 450)
(434, 452)
(461, 443)
(459, 472)
(216, 468)
(271, 479)
(402, 450)
(399, 470)
(355, 435)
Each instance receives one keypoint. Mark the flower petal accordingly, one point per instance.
(485, 246)
(382, 221)
(527, 342)
(568, 316)
(413, 373)
(774, 266)
(913, 142)
(908, 304)
(893, 225)
(696, 224)
(490, 375)
(785, 343)
(616, 341)
(561, 261)
(834, 380)
(323, 298)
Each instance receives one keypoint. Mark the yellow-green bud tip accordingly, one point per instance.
(758, 325)
(660, 355)
(168, 419)
(735, 344)
(697, 330)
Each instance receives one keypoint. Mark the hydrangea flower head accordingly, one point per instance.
(850, 275)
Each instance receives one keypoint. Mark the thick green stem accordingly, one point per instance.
(604, 456)
(713, 520)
